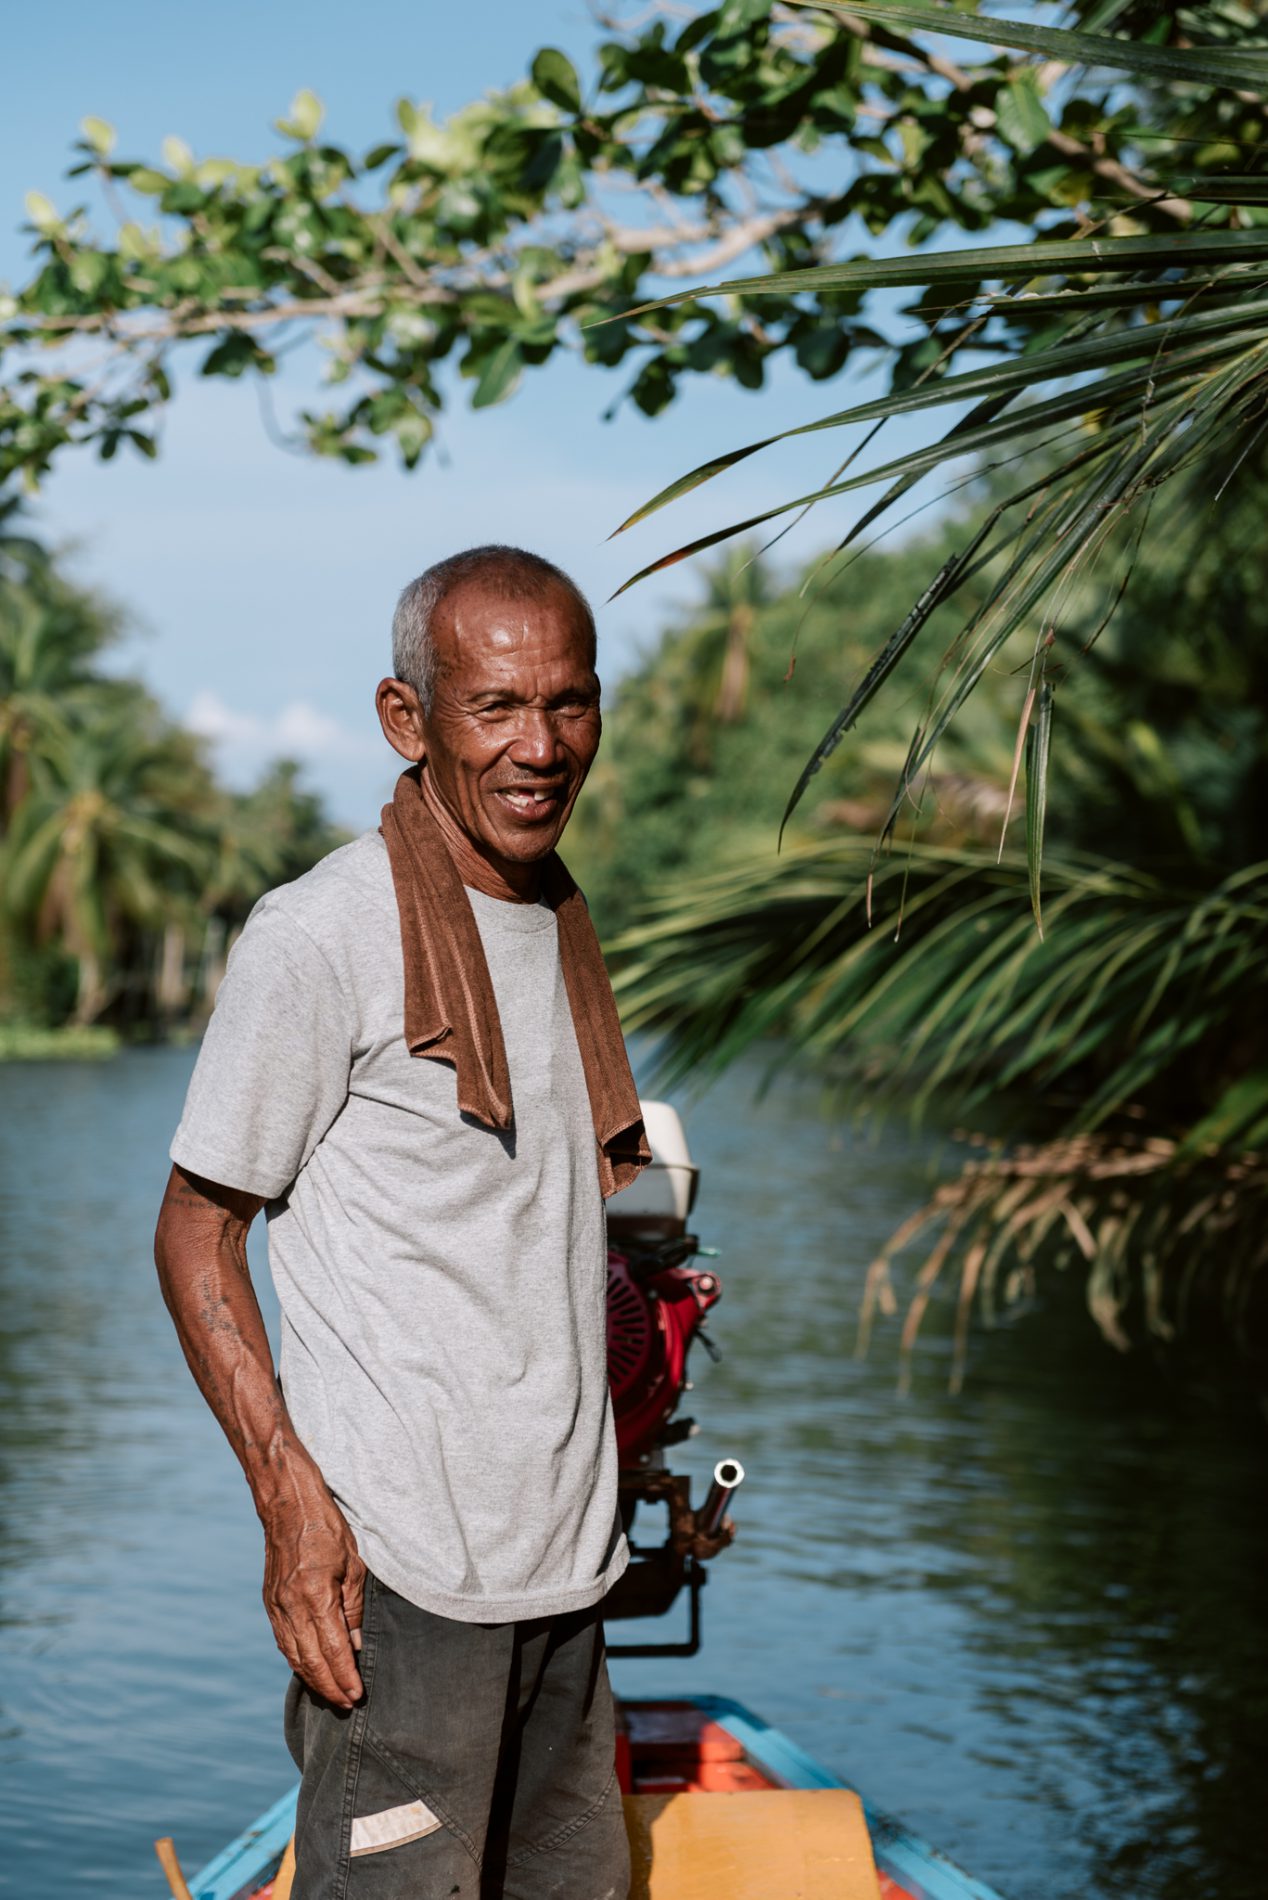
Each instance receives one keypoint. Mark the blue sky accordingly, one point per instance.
(261, 584)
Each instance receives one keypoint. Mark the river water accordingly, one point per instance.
(1032, 1620)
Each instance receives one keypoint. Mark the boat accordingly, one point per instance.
(781, 1826)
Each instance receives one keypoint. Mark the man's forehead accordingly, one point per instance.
(478, 627)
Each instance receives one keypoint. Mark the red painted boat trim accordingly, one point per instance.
(678, 1748)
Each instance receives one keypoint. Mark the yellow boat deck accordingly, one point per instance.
(787, 1844)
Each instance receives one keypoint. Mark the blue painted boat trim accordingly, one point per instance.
(245, 1861)
(914, 1864)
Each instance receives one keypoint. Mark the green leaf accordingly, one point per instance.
(89, 272)
(1227, 188)
(135, 244)
(555, 77)
(41, 211)
(1240, 1115)
(696, 479)
(1165, 251)
(214, 172)
(1215, 286)
(1038, 741)
(874, 679)
(1020, 114)
(499, 375)
(306, 115)
(736, 15)
(1194, 65)
(100, 135)
(144, 178)
(1114, 395)
(413, 432)
(234, 355)
(182, 198)
(1008, 378)
(544, 163)
(177, 155)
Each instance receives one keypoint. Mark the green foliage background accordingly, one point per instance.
(1123, 1055)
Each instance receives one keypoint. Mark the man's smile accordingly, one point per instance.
(532, 803)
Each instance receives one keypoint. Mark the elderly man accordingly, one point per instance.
(415, 1065)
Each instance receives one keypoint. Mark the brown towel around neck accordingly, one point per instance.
(451, 1013)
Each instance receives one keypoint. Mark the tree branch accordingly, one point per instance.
(371, 298)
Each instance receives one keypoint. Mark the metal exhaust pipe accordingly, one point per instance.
(728, 1475)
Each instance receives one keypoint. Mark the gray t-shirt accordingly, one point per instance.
(442, 1286)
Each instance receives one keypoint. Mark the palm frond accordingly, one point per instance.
(1149, 347)
(1158, 344)
(1105, 1024)
(1130, 977)
(1097, 256)
(1154, 1228)
(1199, 65)
(1038, 743)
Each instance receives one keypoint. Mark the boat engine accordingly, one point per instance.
(656, 1305)
(658, 1302)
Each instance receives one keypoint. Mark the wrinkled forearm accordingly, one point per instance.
(314, 1578)
(200, 1250)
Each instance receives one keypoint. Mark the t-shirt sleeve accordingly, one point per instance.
(274, 1067)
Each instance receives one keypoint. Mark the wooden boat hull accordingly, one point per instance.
(695, 1746)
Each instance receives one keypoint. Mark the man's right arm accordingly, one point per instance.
(314, 1579)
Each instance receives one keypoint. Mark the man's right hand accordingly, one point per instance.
(314, 1586)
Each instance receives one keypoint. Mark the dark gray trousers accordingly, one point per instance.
(478, 1765)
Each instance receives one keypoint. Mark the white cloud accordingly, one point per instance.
(213, 720)
(352, 765)
(298, 730)
(302, 729)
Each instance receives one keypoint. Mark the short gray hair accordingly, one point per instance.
(507, 572)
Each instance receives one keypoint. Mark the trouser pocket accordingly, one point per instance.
(370, 1824)
(478, 1752)
(396, 1846)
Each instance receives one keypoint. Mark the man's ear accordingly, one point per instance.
(401, 717)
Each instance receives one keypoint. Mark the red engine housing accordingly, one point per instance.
(652, 1319)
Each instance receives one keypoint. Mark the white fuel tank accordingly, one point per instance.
(662, 1197)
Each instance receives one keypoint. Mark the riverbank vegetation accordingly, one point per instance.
(1115, 1068)
(125, 867)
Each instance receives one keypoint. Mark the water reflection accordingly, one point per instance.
(1030, 1619)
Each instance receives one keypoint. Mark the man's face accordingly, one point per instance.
(514, 723)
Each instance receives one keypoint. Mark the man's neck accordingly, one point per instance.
(512, 883)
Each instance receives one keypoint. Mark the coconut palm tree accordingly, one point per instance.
(50, 633)
(260, 838)
(717, 651)
(110, 840)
